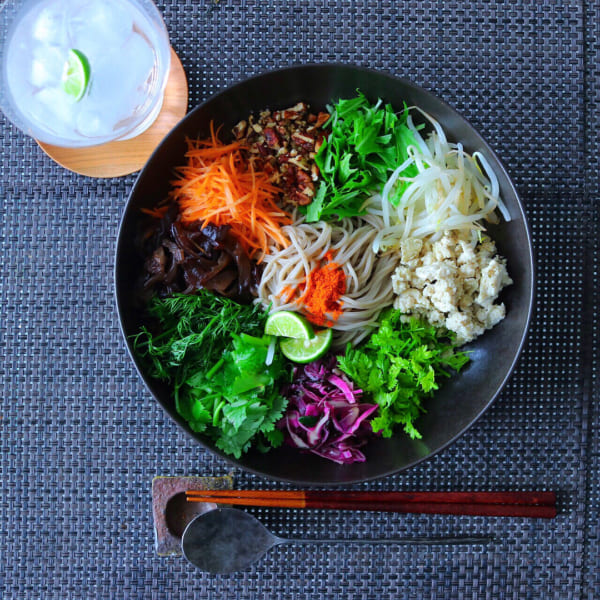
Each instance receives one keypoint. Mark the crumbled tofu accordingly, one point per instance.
(444, 249)
(452, 282)
(410, 249)
(410, 301)
(493, 278)
(442, 294)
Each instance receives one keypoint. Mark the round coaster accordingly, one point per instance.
(114, 159)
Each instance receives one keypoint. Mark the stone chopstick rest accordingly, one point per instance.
(172, 512)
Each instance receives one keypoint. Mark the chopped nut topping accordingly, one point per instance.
(284, 144)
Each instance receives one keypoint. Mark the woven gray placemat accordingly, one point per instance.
(591, 120)
(81, 438)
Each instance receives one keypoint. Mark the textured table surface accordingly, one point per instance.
(81, 438)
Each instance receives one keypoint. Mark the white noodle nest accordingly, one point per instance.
(368, 276)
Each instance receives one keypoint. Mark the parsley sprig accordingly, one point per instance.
(399, 367)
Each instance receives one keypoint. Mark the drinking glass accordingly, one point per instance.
(82, 72)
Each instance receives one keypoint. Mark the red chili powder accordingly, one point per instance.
(321, 297)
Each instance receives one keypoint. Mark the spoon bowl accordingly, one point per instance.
(226, 540)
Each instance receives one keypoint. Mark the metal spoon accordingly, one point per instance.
(226, 540)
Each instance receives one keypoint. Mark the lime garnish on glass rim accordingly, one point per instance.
(76, 74)
(305, 351)
(290, 325)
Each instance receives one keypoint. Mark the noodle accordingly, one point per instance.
(368, 276)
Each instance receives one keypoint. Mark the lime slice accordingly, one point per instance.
(305, 351)
(290, 325)
(76, 75)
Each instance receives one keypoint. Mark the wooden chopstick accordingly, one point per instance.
(528, 498)
(518, 504)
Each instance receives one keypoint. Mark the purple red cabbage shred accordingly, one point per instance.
(325, 414)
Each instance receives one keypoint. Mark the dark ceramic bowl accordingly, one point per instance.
(464, 398)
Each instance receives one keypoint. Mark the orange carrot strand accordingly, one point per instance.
(219, 186)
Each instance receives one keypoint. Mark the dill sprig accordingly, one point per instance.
(191, 333)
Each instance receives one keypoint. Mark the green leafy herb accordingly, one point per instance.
(366, 143)
(212, 351)
(192, 332)
(399, 367)
(239, 398)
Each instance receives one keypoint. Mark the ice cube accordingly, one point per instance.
(18, 69)
(47, 66)
(52, 108)
(100, 27)
(109, 92)
(92, 123)
(140, 60)
(117, 86)
(50, 25)
(110, 81)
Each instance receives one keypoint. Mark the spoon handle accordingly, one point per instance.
(418, 541)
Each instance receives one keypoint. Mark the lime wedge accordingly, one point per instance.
(76, 74)
(305, 351)
(290, 325)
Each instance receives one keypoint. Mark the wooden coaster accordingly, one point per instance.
(114, 159)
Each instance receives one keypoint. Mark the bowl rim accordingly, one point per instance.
(528, 258)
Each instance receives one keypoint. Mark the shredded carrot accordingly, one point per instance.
(159, 212)
(218, 186)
